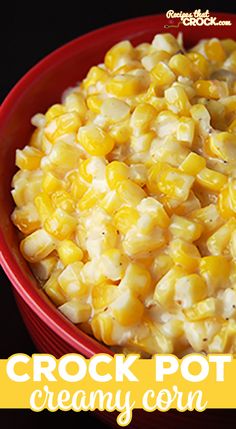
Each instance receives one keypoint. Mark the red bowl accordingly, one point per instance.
(38, 89)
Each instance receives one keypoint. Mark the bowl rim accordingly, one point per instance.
(50, 315)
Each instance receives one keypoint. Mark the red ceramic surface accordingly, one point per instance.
(38, 89)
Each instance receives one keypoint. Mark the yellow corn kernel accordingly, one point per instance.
(96, 74)
(166, 42)
(116, 171)
(28, 158)
(71, 282)
(224, 204)
(83, 170)
(184, 254)
(224, 340)
(23, 194)
(60, 224)
(120, 132)
(233, 244)
(185, 130)
(165, 288)
(232, 194)
(74, 102)
(111, 264)
(174, 183)
(202, 118)
(213, 89)
(138, 280)
(189, 290)
(142, 117)
(63, 200)
(223, 145)
(181, 65)
(50, 183)
(202, 68)
(130, 192)
(44, 268)
(36, 139)
(75, 185)
(142, 143)
(64, 156)
(125, 218)
(67, 123)
(139, 245)
(127, 85)
(218, 241)
(103, 295)
(119, 54)
(229, 45)
(215, 270)
(127, 309)
(211, 179)
(214, 50)
(54, 111)
(160, 265)
(208, 216)
(115, 110)
(156, 210)
(43, 205)
(94, 102)
(151, 60)
(169, 151)
(69, 252)
(166, 123)
(102, 327)
(186, 229)
(230, 63)
(193, 164)
(156, 342)
(201, 310)
(76, 311)
(53, 290)
(89, 199)
(37, 246)
(162, 74)
(232, 127)
(111, 202)
(177, 100)
(26, 218)
(95, 141)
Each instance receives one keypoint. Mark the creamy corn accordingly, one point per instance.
(126, 198)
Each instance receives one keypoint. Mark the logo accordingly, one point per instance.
(196, 18)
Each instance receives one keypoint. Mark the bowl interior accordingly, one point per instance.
(40, 88)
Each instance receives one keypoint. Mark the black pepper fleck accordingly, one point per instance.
(204, 339)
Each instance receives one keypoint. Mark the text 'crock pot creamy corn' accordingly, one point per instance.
(126, 198)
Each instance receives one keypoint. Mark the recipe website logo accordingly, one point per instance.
(195, 18)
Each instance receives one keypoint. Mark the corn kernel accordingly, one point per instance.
(116, 171)
(161, 264)
(181, 65)
(53, 290)
(103, 295)
(76, 311)
(208, 216)
(215, 270)
(162, 74)
(127, 85)
(185, 130)
(95, 141)
(169, 151)
(125, 218)
(127, 309)
(166, 123)
(224, 204)
(28, 158)
(224, 340)
(69, 252)
(156, 210)
(166, 42)
(155, 342)
(189, 290)
(26, 218)
(111, 264)
(201, 64)
(119, 54)
(89, 199)
(211, 179)
(213, 89)
(233, 244)
(96, 74)
(44, 268)
(111, 202)
(165, 288)
(201, 310)
(223, 145)
(184, 254)
(63, 200)
(37, 246)
(218, 241)
(175, 183)
(137, 279)
(215, 51)
(151, 60)
(60, 224)
(120, 132)
(177, 100)
(64, 156)
(43, 205)
(142, 117)
(50, 183)
(139, 245)
(193, 164)
(186, 229)
(115, 110)
(202, 118)
(75, 102)
(130, 192)
(102, 326)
